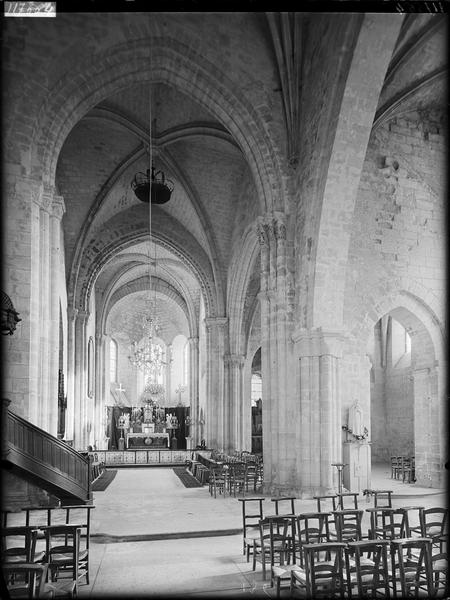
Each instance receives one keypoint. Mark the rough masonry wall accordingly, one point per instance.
(398, 227)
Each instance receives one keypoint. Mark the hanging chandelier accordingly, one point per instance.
(152, 188)
(147, 355)
(161, 188)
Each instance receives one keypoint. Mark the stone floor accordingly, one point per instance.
(152, 537)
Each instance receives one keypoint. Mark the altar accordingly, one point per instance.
(142, 440)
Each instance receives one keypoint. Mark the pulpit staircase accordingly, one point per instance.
(45, 461)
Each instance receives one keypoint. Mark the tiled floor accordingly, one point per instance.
(204, 557)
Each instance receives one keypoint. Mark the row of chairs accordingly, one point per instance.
(325, 503)
(229, 474)
(291, 544)
(235, 478)
(403, 468)
(45, 551)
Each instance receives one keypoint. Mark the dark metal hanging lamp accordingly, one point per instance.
(161, 188)
(9, 315)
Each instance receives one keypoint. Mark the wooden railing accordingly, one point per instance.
(46, 460)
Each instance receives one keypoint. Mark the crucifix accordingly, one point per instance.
(120, 388)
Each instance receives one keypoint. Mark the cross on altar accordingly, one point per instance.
(120, 388)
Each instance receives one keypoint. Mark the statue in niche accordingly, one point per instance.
(355, 419)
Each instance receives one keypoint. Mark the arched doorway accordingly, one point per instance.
(405, 406)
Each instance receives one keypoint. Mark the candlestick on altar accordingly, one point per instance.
(180, 390)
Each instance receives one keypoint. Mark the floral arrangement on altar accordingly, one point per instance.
(363, 436)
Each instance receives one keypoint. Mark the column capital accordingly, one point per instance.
(211, 322)
(83, 316)
(72, 313)
(318, 342)
(193, 342)
(46, 199)
(234, 360)
(271, 226)
(58, 207)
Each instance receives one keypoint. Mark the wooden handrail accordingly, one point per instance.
(46, 458)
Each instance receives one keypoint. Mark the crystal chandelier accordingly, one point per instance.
(154, 189)
(147, 355)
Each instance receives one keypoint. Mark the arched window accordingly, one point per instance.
(113, 361)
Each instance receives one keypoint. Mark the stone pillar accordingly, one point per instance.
(80, 383)
(427, 427)
(194, 429)
(70, 410)
(100, 373)
(276, 356)
(35, 408)
(234, 400)
(168, 369)
(318, 410)
(44, 312)
(56, 278)
(215, 415)
(246, 406)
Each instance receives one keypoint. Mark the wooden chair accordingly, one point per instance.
(434, 524)
(80, 515)
(25, 580)
(18, 545)
(218, 481)
(382, 498)
(410, 530)
(250, 523)
(403, 462)
(382, 523)
(411, 567)
(282, 528)
(310, 528)
(395, 465)
(251, 475)
(328, 503)
(367, 568)
(409, 470)
(347, 500)
(273, 544)
(439, 571)
(63, 555)
(348, 524)
(320, 579)
(290, 499)
(237, 478)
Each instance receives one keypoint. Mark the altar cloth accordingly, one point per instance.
(155, 439)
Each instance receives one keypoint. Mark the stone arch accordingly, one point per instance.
(423, 314)
(142, 285)
(241, 269)
(425, 395)
(121, 232)
(371, 56)
(178, 65)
